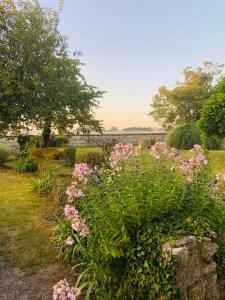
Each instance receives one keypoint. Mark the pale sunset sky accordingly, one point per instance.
(131, 47)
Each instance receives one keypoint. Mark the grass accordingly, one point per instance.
(26, 220)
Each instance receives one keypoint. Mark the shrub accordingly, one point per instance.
(69, 154)
(184, 136)
(130, 213)
(26, 165)
(34, 142)
(43, 185)
(23, 140)
(93, 159)
(3, 156)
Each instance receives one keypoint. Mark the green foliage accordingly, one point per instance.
(94, 159)
(3, 156)
(43, 185)
(40, 84)
(57, 141)
(34, 142)
(69, 154)
(183, 104)
(21, 154)
(23, 140)
(26, 165)
(211, 142)
(184, 136)
(213, 116)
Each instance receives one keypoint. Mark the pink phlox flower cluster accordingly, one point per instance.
(69, 241)
(192, 166)
(122, 153)
(70, 212)
(63, 291)
(73, 192)
(158, 149)
(78, 224)
(81, 173)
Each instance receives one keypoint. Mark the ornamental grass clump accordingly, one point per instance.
(128, 212)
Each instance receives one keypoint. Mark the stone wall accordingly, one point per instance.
(196, 277)
(10, 143)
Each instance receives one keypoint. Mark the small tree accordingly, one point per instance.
(183, 103)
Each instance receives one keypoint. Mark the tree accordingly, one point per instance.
(183, 103)
(212, 120)
(40, 85)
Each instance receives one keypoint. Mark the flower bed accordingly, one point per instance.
(118, 218)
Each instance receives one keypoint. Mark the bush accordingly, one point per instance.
(34, 142)
(130, 215)
(184, 136)
(23, 140)
(3, 156)
(26, 165)
(94, 159)
(69, 154)
(43, 185)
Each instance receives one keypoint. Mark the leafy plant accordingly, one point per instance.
(26, 165)
(69, 154)
(184, 136)
(94, 159)
(43, 185)
(21, 154)
(3, 156)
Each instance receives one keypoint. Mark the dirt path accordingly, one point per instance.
(28, 267)
(14, 284)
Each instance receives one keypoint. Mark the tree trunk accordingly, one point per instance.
(46, 133)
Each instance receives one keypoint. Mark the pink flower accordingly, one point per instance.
(62, 291)
(70, 212)
(122, 153)
(69, 241)
(158, 149)
(72, 191)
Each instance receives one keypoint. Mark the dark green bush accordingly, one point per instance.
(23, 140)
(26, 165)
(3, 156)
(69, 154)
(184, 136)
(94, 159)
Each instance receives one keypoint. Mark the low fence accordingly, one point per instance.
(10, 143)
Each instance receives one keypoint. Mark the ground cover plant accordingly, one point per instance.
(117, 219)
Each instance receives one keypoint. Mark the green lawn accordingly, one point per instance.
(26, 221)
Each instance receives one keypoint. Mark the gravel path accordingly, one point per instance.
(14, 284)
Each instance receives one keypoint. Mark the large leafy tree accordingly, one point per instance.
(183, 103)
(40, 85)
(212, 120)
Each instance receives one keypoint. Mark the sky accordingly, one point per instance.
(131, 47)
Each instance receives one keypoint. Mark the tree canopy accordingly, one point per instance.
(41, 86)
(212, 120)
(183, 103)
